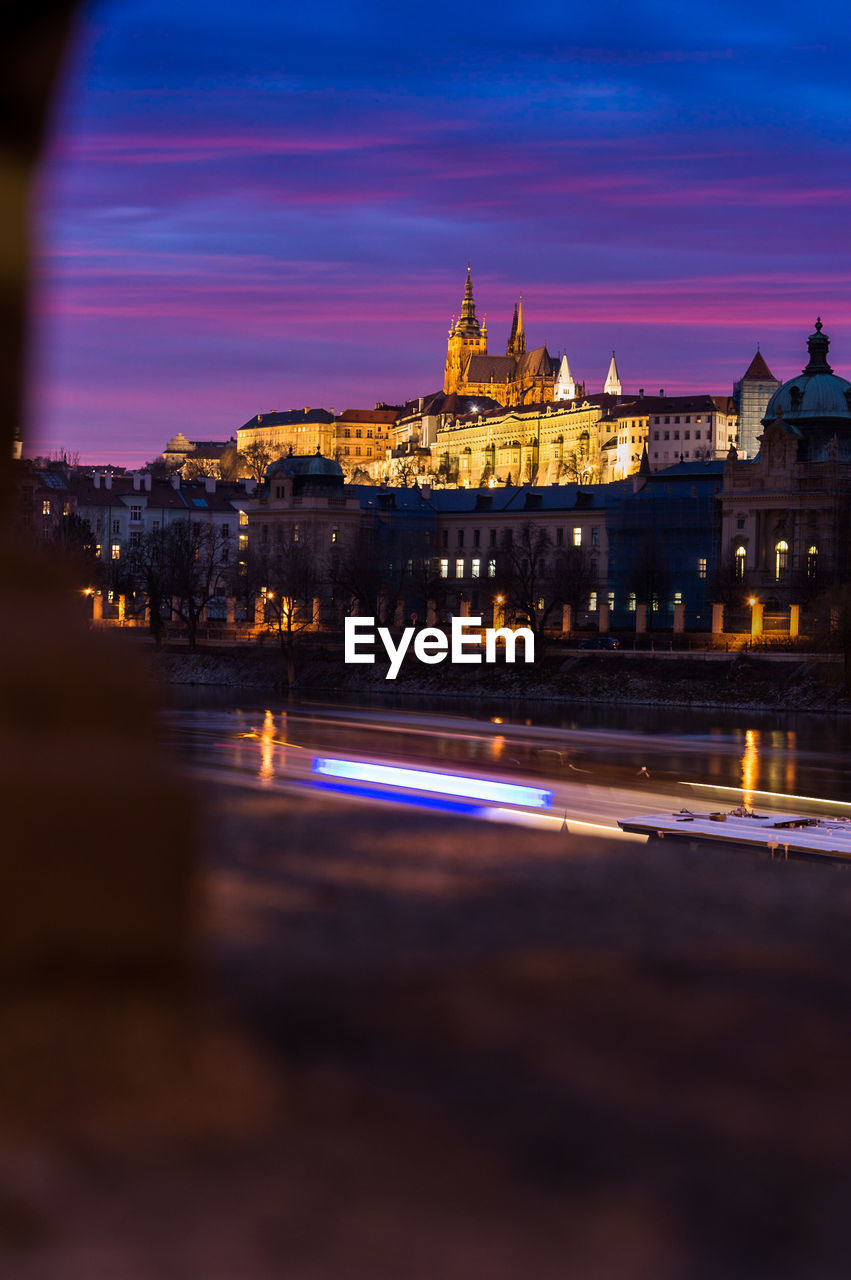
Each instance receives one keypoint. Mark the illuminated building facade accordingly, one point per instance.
(786, 514)
(519, 377)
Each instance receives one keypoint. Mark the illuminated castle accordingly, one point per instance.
(518, 377)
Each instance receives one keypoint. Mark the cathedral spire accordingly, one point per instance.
(509, 350)
(520, 340)
(612, 385)
(468, 325)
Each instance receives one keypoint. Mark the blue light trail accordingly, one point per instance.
(447, 784)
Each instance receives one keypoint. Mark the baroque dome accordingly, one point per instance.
(311, 464)
(817, 394)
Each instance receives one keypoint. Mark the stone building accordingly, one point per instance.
(518, 377)
(539, 443)
(752, 392)
(301, 430)
(785, 514)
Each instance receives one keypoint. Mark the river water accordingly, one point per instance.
(790, 754)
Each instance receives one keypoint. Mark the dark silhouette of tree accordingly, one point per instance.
(536, 577)
(648, 573)
(162, 468)
(254, 459)
(150, 567)
(74, 541)
(292, 577)
(199, 569)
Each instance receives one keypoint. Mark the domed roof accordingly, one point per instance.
(312, 464)
(817, 394)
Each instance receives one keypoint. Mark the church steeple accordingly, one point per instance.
(468, 326)
(466, 338)
(520, 341)
(509, 350)
(517, 341)
(612, 385)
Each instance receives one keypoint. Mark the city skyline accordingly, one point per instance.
(243, 212)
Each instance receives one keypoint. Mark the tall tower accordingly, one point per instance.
(565, 385)
(612, 386)
(753, 391)
(466, 338)
(517, 341)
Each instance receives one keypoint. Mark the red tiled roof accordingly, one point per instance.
(758, 370)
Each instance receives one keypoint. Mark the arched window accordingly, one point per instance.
(812, 562)
(739, 561)
(781, 559)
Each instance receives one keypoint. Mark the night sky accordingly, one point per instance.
(267, 206)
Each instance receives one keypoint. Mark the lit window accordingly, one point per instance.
(296, 533)
(678, 597)
(243, 518)
(740, 558)
(611, 599)
(116, 550)
(701, 567)
(335, 533)
(243, 541)
(577, 537)
(476, 568)
(491, 568)
(630, 604)
(444, 568)
(459, 568)
(592, 601)
(781, 559)
(45, 507)
(812, 562)
(654, 604)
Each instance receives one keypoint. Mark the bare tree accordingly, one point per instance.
(292, 578)
(199, 569)
(255, 459)
(150, 567)
(536, 577)
(522, 572)
(197, 467)
(162, 468)
(229, 462)
(405, 470)
(74, 540)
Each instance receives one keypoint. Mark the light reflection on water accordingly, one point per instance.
(267, 749)
(788, 754)
(750, 766)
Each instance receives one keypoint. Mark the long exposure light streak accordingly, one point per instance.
(447, 784)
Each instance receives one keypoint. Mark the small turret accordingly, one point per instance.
(612, 385)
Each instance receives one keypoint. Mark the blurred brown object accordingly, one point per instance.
(99, 1036)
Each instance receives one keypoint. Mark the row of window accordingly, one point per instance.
(475, 568)
(686, 418)
(575, 536)
(686, 435)
(781, 560)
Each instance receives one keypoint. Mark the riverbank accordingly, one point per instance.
(729, 681)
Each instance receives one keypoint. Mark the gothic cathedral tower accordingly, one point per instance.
(466, 338)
